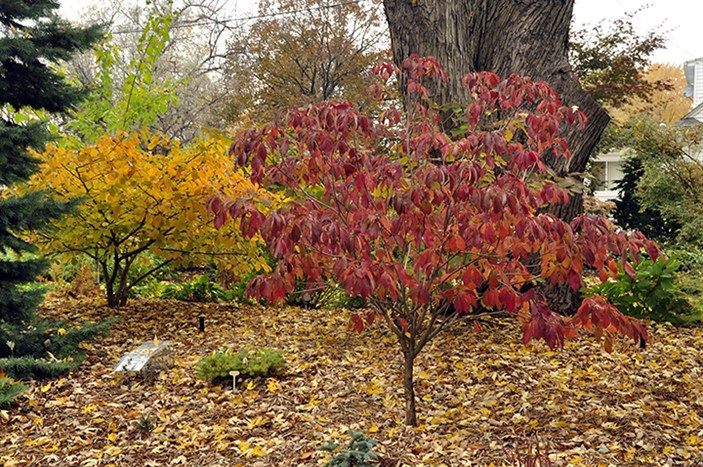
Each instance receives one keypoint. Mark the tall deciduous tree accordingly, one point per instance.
(32, 39)
(418, 220)
(301, 52)
(174, 46)
(530, 38)
(503, 36)
(666, 104)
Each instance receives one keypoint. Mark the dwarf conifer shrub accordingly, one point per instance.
(252, 363)
(9, 390)
(358, 453)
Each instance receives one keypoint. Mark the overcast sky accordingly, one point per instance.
(683, 19)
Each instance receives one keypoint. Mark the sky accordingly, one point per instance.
(682, 20)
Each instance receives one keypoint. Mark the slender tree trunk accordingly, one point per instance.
(529, 37)
(409, 389)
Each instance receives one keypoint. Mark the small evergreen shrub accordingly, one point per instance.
(9, 390)
(146, 423)
(652, 293)
(358, 453)
(37, 368)
(200, 289)
(251, 363)
(60, 338)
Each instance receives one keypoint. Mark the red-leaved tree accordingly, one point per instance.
(428, 226)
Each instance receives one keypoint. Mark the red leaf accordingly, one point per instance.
(403, 324)
(356, 323)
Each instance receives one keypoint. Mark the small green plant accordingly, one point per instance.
(146, 423)
(250, 363)
(200, 289)
(358, 453)
(9, 390)
(652, 292)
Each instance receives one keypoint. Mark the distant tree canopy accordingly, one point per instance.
(302, 52)
(611, 59)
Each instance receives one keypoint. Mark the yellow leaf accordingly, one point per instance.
(250, 385)
(61, 332)
(244, 446)
(46, 387)
(38, 421)
(112, 437)
(373, 428)
(257, 451)
(159, 428)
(272, 385)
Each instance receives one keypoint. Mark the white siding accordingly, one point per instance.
(698, 84)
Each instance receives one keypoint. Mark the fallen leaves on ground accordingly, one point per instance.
(480, 395)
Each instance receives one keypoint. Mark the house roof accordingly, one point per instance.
(694, 117)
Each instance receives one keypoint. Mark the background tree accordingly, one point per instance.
(673, 176)
(189, 38)
(631, 214)
(418, 220)
(665, 104)
(611, 61)
(301, 52)
(32, 40)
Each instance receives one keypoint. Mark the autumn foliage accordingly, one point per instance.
(139, 193)
(423, 223)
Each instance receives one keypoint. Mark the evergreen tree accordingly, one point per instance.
(32, 39)
(629, 212)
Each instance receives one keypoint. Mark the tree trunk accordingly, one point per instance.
(409, 389)
(529, 37)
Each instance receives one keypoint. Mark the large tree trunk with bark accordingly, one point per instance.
(529, 37)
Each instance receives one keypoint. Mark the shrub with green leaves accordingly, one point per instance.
(250, 363)
(652, 292)
(358, 453)
(200, 289)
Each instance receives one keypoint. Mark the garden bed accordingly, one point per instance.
(480, 396)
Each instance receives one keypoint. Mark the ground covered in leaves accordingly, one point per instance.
(480, 396)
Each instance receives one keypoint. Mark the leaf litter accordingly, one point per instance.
(481, 396)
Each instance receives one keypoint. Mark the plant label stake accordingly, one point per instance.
(201, 323)
(234, 374)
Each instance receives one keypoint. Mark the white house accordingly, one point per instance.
(606, 169)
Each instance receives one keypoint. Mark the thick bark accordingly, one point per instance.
(529, 37)
(409, 389)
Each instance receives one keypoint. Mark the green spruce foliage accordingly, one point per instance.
(32, 39)
(631, 214)
(358, 453)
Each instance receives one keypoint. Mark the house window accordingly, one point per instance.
(606, 174)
